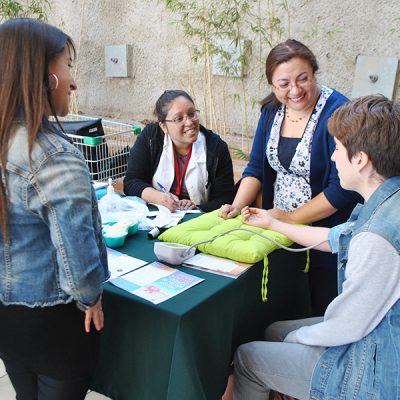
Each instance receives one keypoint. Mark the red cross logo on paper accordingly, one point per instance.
(152, 289)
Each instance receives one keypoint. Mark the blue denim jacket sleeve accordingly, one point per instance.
(334, 234)
(67, 203)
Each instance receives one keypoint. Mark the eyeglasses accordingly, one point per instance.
(192, 116)
(300, 82)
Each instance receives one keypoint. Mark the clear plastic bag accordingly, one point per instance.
(114, 208)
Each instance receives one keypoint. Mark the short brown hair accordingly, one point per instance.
(370, 124)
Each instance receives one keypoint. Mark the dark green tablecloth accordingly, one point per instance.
(181, 349)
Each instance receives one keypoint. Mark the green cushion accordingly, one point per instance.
(238, 245)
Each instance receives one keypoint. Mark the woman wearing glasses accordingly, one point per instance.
(290, 162)
(178, 163)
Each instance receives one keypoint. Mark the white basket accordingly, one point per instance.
(106, 156)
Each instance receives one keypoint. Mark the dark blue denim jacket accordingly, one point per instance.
(369, 368)
(55, 253)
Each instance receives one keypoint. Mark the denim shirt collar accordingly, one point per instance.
(363, 212)
(55, 129)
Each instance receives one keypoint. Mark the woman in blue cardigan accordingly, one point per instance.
(290, 162)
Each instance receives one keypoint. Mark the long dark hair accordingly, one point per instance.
(282, 53)
(26, 47)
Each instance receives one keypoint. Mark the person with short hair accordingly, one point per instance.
(290, 161)
(53, 257)
(353, 351)
(177, 162)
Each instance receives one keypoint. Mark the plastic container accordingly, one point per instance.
(100, 193)
(114, 241)
(132, 228)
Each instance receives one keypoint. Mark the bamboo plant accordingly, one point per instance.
(10, 9)
(207, 24)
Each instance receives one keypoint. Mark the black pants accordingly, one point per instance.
(29, 385)
(46, 351)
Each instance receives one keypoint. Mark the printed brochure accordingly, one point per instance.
(156, 282)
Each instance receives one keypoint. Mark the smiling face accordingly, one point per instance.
(294, 84)
(64, 84)
(183, 134)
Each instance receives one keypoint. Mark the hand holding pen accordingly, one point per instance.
(168, 199)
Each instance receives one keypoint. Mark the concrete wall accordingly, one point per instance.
(337, 31)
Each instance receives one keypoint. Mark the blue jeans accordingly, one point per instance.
(29, 385)
(284, 367)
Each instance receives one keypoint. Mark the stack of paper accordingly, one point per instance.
(217, 265)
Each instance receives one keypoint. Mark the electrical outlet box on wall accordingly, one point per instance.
(375, 75)
(117, 61)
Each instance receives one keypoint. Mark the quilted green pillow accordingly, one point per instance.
(240, 246)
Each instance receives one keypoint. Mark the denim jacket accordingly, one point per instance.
(368, 368)
(54, 253)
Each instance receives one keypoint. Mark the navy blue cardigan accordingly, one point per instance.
(323, 175)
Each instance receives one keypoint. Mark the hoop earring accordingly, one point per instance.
(56, 78)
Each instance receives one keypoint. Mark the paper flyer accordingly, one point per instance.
(156, 282)
(119, 263)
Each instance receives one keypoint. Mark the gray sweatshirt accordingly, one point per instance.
(371, 288)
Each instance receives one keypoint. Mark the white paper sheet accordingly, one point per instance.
(217, 265)
(164, 218)
(119, 264)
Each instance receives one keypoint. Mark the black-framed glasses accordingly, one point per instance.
(192, 116)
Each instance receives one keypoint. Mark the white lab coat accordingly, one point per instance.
(196, 177)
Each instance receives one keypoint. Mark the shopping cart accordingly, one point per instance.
(107, 155)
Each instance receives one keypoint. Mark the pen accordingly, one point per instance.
(162, 188)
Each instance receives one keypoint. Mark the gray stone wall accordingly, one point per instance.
(337, 31)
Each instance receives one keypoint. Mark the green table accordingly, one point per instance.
(181, 349)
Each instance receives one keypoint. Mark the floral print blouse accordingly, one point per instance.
(292, 185)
